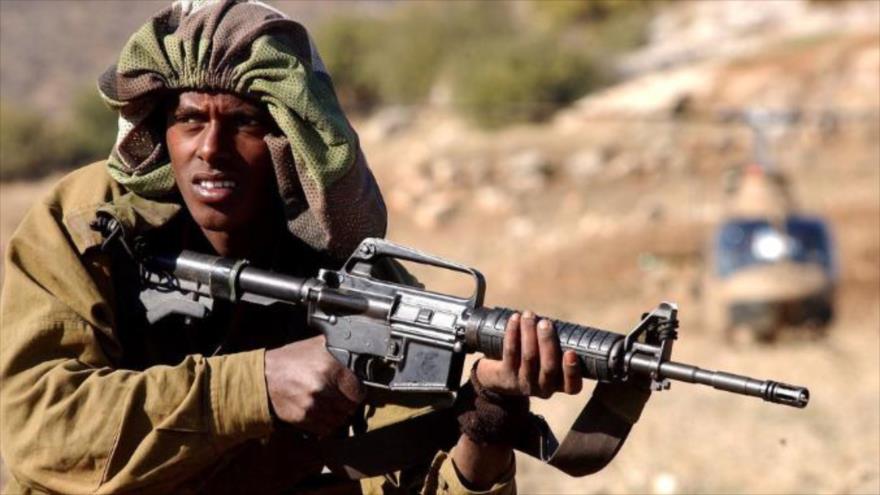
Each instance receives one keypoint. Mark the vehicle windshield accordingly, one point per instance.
(743, 243)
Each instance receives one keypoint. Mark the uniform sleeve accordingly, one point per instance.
(439, 478)
(434, 476)
(444, 479)
(71, 422)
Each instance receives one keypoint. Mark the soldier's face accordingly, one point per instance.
(221, 163)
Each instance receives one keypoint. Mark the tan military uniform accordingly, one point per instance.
(74, 421)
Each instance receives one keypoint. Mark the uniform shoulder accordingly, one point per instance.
(73, 201)
(87, 186)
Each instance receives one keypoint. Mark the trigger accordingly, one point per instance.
(374, 370)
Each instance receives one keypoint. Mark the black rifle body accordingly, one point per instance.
(407, 338)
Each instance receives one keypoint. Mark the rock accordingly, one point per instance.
(655, 95)
(418, 184)
(434, 210)
(595, 226)
(694, 31)
(475, 171)
(527, 170)
(491, 199)
(520, 227)
(624, 165)
(655, 213)
(442, 172)
(583, 165)
(680, 163)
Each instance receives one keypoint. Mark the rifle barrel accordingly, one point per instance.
(771, 391)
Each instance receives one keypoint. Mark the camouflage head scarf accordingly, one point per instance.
(331, 200)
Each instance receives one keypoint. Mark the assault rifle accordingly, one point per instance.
(408, 339)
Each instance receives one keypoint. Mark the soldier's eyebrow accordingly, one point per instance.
(244, 111)
(188, 107)
(251, 112)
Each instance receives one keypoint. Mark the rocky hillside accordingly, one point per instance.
(604, 211)
(643, 156)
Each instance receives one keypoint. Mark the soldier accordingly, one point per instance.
(230, 141)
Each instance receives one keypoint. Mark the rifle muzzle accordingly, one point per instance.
(770, 391)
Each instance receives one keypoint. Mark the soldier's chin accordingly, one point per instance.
(215, 221)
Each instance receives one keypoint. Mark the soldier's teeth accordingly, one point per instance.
(214, 184)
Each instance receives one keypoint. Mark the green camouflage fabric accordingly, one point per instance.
(245, 47)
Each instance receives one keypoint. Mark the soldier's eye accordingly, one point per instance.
(246, 121)
(189, 118)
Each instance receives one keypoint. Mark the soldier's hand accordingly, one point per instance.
(309, 388)
(532, 362)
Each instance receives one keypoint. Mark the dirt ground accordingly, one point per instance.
(693, 439)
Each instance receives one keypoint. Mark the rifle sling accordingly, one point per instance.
(590, 444)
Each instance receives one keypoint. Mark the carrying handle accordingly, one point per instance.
(374, 247)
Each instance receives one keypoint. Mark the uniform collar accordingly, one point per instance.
(135, 214)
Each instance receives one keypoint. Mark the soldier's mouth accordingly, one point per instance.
(216, 184)
(214, 189)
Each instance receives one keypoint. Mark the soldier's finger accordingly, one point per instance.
(549, 376)
(335, 399)
(350, 387)
(571, 371)
(529, 359)
(510, 351)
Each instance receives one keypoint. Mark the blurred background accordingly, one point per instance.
(591, 158)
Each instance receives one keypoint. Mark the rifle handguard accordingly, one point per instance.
(595, 348)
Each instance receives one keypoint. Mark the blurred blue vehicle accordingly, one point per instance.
(770, 266)
(770, 275)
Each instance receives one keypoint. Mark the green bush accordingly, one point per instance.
(424, 39)
(504, 63)
(397, 59)
(565, 13)
(345, 43)
(624, 30)
(26, 143)
(561, 14)
(32, 146)
(604, 28)
(90, 132)
(508, 81)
